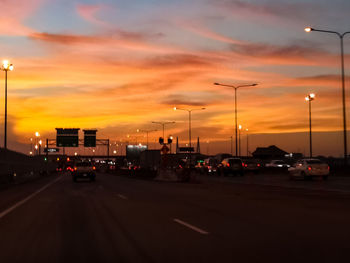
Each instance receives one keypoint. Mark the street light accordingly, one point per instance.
(310, 98)
(247, 142)
(236, 87)
(147, 132)
(6, 66)
(239, 136)
(163, 124)
(37, 135)
(341, 36)
(189, 128)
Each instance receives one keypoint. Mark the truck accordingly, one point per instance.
(150, 160)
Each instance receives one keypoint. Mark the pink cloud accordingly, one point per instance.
(204, 32)
(12, 15)
(89, 13)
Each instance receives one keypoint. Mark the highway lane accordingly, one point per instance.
(121, 219)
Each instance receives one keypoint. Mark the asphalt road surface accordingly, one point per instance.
(120, 219)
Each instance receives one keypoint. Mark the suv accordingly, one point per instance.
(210, 165)
(84, 170)
(232, 166)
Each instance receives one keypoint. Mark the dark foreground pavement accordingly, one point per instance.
(118, 219)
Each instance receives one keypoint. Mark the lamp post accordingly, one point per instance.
(341, 36)
(37, 135)
(189, 128)
(163, 124)
(236, 87)
(310, 98)
(147, 132)
(247, 142)
(6, 66)
(239, 136)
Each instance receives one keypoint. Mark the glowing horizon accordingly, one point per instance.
(119, 66)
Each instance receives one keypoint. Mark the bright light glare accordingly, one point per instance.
(11, 67)
(37, 134)
(5, 64)
(175, 108)
(312, 95)
(307, 98)
(308, 29)
(240, 127)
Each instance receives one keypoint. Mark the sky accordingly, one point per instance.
(119, 65)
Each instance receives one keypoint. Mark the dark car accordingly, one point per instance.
(232, 166)
(252, 165)
(210, 166)
(84, 170)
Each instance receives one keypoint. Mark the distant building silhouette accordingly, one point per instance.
(271, 152)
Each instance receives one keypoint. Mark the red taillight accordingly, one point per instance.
(328, 168)
(93, 168)
(309, 168)
(228, 165)
(258, 164)
(243, 164)
(75, 168)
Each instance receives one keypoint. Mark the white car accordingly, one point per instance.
(309, 168)
(277, 164)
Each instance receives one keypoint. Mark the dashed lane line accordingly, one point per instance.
(194, 228)
(18, 204)
(122, 196)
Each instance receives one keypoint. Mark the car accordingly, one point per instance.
(84, 170)
(210, 165)
(277, 164)
(231, 166)
(309, 168)
(251, 165)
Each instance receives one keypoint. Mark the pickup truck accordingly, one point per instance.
(84, 170)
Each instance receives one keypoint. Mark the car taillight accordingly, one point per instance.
(309, 168)
(243, 164)
(258, 164)
(93, 168)
(228, 165)
(246, 165)
(328, 168)
(75, 168)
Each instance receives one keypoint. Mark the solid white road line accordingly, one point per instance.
(191, 227)
(122, 197)
(4, 213)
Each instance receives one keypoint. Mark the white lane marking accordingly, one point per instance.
(122, 197)
(201, 231)
(4, 213)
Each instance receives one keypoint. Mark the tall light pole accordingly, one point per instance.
(37, 135)
(236, 87)
(163, 125)
(147, 132)
(6, 66)
(247, 142)
(310, 98)
(189, 128)
(239, 136)
(341, 36)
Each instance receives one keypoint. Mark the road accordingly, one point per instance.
(120, 219)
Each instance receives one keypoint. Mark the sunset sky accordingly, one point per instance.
(119, 65)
